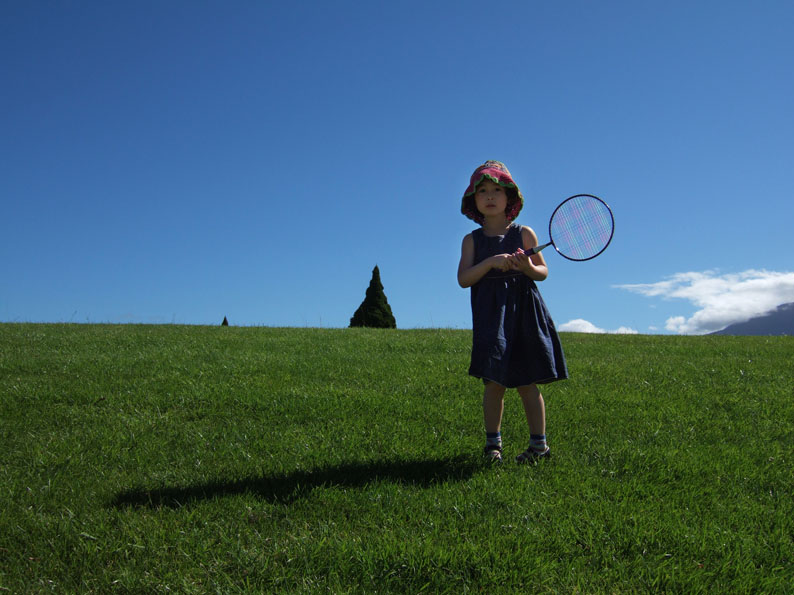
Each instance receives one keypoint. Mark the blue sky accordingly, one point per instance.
(184, 161)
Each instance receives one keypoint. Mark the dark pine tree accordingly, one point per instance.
(374, 311)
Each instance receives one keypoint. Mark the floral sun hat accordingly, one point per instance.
(497, 172)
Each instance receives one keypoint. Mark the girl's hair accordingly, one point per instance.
(497, 172)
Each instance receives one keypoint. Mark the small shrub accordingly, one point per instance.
(374, 311)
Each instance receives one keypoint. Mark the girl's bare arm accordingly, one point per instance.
(470, 273)
(533, 266)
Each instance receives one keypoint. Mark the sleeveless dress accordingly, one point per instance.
(515, 341)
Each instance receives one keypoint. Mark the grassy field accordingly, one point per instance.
(212, 459)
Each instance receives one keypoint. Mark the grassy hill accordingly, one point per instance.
(195, 459)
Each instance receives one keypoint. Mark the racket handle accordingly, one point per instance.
(537, 249)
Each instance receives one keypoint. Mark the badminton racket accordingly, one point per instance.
(580, 228)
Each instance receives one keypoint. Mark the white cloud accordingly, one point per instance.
(584, 326)
(721, 299)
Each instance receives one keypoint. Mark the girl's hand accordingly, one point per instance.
(502, 262)
(519, 261)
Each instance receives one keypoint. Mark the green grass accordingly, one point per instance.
(210, 459)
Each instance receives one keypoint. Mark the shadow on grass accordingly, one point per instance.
(288, 487)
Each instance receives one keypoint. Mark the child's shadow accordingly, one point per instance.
(288, 487)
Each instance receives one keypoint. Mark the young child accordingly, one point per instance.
(515, 343)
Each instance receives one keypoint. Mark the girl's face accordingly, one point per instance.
(490, 198)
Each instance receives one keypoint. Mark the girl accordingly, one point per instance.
(515, 343)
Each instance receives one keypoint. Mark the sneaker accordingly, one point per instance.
(493, 454)
(532, 456)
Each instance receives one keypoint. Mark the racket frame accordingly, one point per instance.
(537, 249)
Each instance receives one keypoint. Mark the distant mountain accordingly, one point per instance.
(777, 322)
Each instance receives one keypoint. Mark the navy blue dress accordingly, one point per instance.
(515, 342)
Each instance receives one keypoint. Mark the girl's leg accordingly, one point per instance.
(534, 408)
(535, 411)
(492, 407)
(493, 404)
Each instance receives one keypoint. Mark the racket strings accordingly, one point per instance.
(581, 227)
